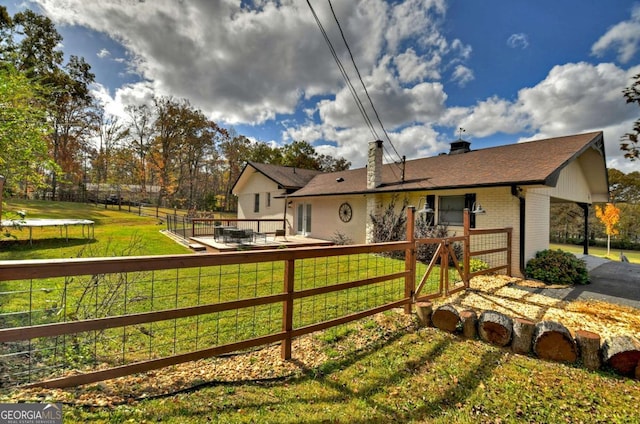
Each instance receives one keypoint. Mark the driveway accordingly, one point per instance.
(610, 281)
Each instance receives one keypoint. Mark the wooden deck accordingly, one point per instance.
(270, 242)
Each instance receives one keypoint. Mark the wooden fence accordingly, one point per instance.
(184, 301)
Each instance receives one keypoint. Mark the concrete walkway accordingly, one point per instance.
(610, 281)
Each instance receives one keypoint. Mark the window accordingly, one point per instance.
(256, 202)
(268, 200)
(450, 209)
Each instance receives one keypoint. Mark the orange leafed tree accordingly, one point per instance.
(609, 216)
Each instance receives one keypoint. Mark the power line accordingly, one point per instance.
(360, 78)
(345, 76)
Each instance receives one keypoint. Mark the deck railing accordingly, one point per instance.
(186, 227)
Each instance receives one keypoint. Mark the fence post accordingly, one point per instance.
(509, 250)
(466, 251)
(287, 310)
(410, 260)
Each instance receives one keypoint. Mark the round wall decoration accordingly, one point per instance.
(345, 212)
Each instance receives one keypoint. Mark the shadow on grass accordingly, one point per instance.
(43, 244)
(385, 392)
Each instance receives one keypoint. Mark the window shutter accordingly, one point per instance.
(469, 200)
(431, 201)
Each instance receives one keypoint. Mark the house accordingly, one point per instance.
(262, 189)
(514, 183)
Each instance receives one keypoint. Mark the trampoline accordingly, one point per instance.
(31, 223)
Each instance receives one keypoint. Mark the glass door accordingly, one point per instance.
(304, 219)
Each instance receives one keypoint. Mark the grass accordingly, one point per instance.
(48, 300)
(411, 376)
(414, 376)
(632, 255)
(114, 232)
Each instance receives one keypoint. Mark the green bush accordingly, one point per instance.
(557, 267)
(476, 265)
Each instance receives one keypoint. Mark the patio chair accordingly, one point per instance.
(247, 235)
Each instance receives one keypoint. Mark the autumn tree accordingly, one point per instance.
(629, 141)
(300, 154)
(32, 46)
(609, 216)
(199, 146)
(235, 149)
(140, 131)
(23, 132)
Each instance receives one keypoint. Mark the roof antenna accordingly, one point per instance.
(460, 131)
(404, 160)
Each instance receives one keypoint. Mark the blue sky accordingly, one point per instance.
(506, 71)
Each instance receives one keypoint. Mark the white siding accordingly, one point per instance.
(572, 185)
(258, 183)
(537, 229)
(326, 222)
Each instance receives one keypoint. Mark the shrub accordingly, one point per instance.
(425, 252)
(476, 265)
(390, 225)
(340, 239)
(557, 267)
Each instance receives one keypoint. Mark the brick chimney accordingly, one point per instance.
(374, 165)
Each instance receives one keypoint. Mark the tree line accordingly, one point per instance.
(56, 138)
(567, 222)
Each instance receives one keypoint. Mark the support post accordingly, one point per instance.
(585, 211)
(466, 254)
(287, 310)
(410, 260)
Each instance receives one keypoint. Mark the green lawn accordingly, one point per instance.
(410, 376)
(117, 233)
(632, 255)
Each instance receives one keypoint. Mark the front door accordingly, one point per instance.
(304, 219)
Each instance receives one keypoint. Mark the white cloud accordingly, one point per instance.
(396, 105)
(623, 37)
(462, 75)
(417, 19)
(103, 53)
(412, 68)
(518, 41)
(488, 117)
(130, 94)
(238, 65)
(575, 97)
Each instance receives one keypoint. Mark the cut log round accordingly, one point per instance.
(424, 310)
(446, 318)
(589, 345)
(622, 353)
(552, 341)
(469, 319)
(495, 328)
(522, 335)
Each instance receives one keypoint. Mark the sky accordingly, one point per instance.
(503, 71)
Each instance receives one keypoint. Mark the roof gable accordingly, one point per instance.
(530, 163)
(286, 177)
